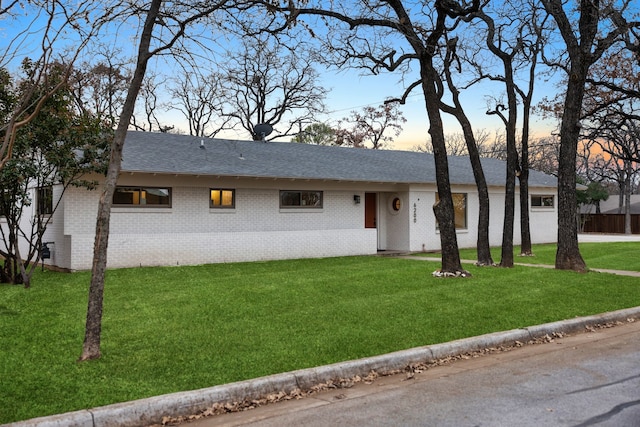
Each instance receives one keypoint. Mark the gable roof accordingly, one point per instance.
(149, 152)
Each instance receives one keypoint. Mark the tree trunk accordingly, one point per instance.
(512, 165)
(443, 209)
(580, 48)
(568, 255)
(627, 197)
(525, 229)
(93, 328)
(483, 250)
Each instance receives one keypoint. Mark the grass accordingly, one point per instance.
(615, 256)
(182, 328)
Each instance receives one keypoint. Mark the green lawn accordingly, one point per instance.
(615, 255)
(182, 328)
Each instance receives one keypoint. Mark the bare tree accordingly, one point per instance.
(195, 96)
(368, 35)
(178, 18)
(598, 27)
(370, 127)
(505, 40)
(149, 101)
(483, 250)
(264, 83)
(100, 88)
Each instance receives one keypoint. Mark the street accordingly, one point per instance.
(590, 379)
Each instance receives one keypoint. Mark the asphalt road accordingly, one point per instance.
(590, 379)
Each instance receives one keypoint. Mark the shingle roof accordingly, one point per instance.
(634, 209)
(149, 152)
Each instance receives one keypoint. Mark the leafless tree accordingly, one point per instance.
(388, 36)
(587, 34)
(195, 96)
(266, 83)
(100, 87)
(150, 106)
(451, 63)
(370, 127)
(174, 19)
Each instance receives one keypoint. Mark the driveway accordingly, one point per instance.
(599, 237)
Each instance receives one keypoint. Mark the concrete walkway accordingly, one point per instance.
(468, 261)
(582, 238)
(145, 412)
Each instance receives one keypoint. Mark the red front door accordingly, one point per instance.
(370, 210)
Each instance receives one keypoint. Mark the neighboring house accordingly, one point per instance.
(611, 218)
(612, 206)
(187, 200)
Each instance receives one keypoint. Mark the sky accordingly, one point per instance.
(349, 91)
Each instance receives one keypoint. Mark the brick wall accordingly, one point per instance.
(191, 233)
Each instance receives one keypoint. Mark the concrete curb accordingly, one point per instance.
(151, 410)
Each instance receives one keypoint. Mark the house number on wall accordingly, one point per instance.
(415, 213)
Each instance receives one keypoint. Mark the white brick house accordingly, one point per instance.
(184, 200)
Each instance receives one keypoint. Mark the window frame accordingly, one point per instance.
(48, 199)
(318, 193)
(140, 189)
(221, 205)
(542, 204)
(456, 217)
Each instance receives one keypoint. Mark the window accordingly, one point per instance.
(44, 196)
(5, 204)
(459, 208)
(301, 199)
(142, 196)
(222, 198)
(547, 202)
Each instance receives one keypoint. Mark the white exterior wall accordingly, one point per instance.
(393, 226)
(191, 233)
(425, 237)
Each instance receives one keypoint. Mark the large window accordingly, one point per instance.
(546, 201)
(459, 208)
(44, 198)
(142, 196)
(222, 198)
(300, 199)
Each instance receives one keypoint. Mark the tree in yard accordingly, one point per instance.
(598, 27)
(370, 127)
(51, 152)
(514, 33)
(44, 33)
(176, 19)
(612, 121)
(592, 195)
(149, 102)
(317, 134)
(483, 249)
(369, 35)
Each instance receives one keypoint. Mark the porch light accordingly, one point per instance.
(356, 199)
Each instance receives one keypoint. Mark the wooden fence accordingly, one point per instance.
(609, 223)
